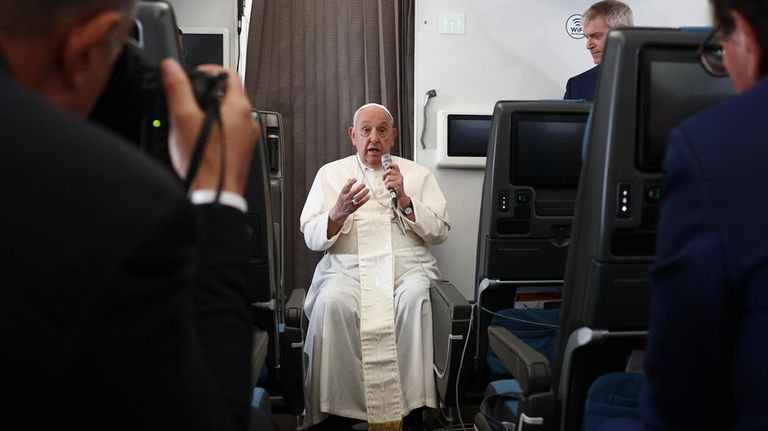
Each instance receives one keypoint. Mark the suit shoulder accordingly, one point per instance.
(726, 141)
(739, 118)
(587, 74)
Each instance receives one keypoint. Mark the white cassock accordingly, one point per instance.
(335, 370)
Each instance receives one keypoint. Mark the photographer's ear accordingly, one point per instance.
(88, 51)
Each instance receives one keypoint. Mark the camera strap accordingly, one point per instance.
(212, 114)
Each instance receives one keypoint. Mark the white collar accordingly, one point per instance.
(364, 166)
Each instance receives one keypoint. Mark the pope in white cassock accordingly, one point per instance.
(369, 341)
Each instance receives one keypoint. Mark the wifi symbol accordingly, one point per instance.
(574, 26)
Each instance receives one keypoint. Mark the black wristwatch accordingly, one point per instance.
(407, 210)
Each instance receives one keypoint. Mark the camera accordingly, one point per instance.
(133, 103)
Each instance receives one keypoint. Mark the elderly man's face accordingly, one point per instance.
(596, 31)
(373, 135)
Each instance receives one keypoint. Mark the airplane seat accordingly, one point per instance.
(530, 393)
(650, 80)
(524, 232)
(529, 191)
(277, 343)
(532, 167)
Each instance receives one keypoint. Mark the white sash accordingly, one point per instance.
(381, 374)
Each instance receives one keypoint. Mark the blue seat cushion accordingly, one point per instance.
(503, 386)
(612, 395)
(260, 400)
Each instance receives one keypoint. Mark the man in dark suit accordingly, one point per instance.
(598, 20)
(122, 305)
(707, 352)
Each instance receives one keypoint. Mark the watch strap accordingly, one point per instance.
(407, 210)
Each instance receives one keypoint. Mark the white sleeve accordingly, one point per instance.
(314, 215)
(205, 196)
(431, 210)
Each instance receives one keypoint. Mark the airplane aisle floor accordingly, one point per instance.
(433, 421)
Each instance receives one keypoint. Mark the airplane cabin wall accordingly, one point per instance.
(511, 50)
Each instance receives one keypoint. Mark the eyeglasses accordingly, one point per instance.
(710, 54)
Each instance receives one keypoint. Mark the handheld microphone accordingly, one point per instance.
(386, 160)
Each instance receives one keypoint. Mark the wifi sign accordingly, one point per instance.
(574, 26)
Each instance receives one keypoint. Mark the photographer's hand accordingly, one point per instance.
(240, 131)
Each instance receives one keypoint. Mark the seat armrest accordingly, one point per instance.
(528, 366)
(450, 319)
(292, 356)
(448, 294)
(451, 316)
(294, 308)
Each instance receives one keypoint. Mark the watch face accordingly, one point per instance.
(408, 210)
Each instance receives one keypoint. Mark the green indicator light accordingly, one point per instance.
(157, 123)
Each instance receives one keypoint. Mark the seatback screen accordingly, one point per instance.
(546, 148)
(672, 87)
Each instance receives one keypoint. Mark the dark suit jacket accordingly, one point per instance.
(582, 86)
(707, 355)
(122, 306)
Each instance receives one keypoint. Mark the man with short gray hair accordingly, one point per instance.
(599, 19)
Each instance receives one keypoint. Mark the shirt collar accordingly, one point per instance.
(361, 164)
(364, 166)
